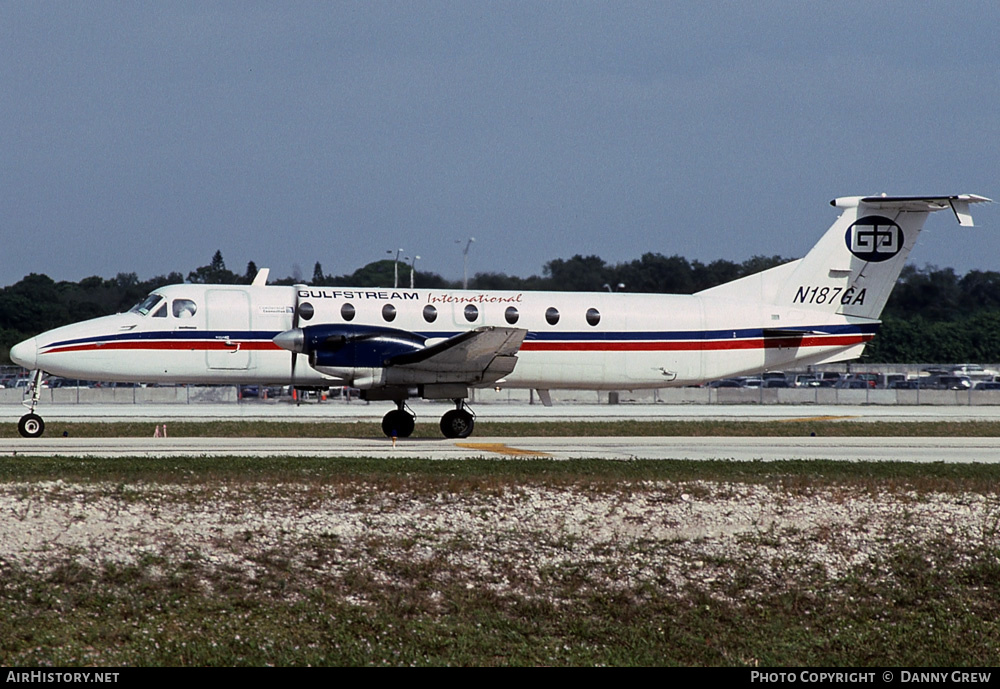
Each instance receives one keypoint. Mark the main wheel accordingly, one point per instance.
(31, 426)
(457, 423)
(397, 424)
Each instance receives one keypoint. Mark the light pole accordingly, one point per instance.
(395, 267)
(465, 269)
(413, 263)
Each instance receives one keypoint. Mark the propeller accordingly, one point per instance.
(291, 334)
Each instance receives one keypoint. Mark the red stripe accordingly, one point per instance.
(171, 345)
(695, 345)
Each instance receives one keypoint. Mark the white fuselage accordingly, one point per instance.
(223, 334)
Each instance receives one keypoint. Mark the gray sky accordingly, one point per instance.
(143, 136)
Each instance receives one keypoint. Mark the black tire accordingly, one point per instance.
(397, 423)
(31, 426)
(457, 423)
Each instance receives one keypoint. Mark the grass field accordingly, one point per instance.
(531, 562)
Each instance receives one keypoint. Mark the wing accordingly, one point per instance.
(480, 356)
(388, 356)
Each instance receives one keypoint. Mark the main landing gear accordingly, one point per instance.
(459, 422)
(31, 424)
(398, 423)
(456, 423)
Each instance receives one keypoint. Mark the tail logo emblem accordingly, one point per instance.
(874, 238)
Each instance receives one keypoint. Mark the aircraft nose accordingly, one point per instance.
(25, 353)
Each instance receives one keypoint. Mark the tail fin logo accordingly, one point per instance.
(874, 238)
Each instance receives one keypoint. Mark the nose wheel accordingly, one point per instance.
(31, 426)
(459, 422)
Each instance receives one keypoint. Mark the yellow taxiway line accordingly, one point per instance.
(503, 449)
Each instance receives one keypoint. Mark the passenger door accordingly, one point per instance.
(227, 315)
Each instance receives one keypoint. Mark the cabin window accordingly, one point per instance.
(430, 313)
(511, 315)
(389, 312)
(593, 316)
(471, 312)
(161, 312)
(552, 315)
(306, 310)
(347, 312)
(184, 308)
(147, 304)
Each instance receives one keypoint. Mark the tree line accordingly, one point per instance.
(933, 315)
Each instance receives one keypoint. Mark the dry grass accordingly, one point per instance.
(360, 562)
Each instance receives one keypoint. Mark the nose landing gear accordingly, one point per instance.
(31, 424)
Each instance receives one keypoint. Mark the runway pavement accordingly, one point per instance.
(953, 450)
(430, 412)
(840, 448)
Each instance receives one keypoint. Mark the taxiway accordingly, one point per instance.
(850, 449)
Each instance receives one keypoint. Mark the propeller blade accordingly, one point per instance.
(295, 327)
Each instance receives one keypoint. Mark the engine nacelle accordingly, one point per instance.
(354, 353)
(363, 378)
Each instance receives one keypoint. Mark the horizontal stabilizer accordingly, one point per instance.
(958, 203)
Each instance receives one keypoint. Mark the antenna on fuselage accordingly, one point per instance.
(260, 279)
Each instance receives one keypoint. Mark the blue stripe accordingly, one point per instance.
(533, 335)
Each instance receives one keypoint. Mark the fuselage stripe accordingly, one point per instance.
(526, 346)
(698, 345)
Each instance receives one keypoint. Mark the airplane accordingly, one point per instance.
(394, 344)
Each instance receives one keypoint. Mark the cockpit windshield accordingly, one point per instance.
(147, 305)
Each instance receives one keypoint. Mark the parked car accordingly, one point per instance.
(973, 371)
(725, 383)
(953, 383)
(891, 378)
(806, 380)
(854, 384)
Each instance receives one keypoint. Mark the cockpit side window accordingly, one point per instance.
(146, 305)
(184, 308)
(160, 312)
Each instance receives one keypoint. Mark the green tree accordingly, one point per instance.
(375, 274)
(654, 272)
(215, 273)
(577, 274)
(932, 292)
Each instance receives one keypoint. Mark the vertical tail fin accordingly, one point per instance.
(854, 267)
